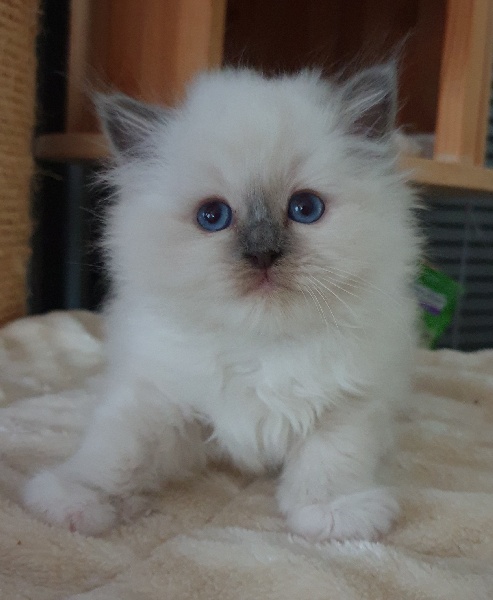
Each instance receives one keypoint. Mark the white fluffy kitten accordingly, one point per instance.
(262, 248)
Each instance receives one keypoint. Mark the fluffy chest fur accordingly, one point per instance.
(257, 397)
(266, 400)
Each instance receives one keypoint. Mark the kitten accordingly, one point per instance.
(262, 249)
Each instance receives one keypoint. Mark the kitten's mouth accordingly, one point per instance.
(264, 282)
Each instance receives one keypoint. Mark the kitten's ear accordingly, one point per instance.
(369, 101)
(128, 123)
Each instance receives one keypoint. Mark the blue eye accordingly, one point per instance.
(214, 215)
(305, 207)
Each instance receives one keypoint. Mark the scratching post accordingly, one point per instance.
(18, 25)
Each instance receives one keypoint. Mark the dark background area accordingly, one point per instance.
(66, 266)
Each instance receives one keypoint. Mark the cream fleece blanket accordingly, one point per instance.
(220, 536)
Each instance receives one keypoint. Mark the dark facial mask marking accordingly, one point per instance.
(262, 238)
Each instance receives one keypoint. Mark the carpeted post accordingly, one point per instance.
(18, 27)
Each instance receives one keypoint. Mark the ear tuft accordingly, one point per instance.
(369, 101)
(127, 123)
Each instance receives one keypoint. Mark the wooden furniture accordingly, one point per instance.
(151, 48)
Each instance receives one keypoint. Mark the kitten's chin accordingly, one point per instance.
(274, 306)
(271, 314)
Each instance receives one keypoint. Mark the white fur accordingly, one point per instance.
(307, 383)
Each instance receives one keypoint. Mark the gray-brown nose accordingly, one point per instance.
(263, 260)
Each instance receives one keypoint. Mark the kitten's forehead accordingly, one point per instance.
(252, 141)
(231, 91)
(250, 111)
(260, 163)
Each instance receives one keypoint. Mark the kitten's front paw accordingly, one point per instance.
(60, 501)
(360, 516)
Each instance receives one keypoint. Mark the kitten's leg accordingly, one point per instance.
(135, 442)
(328, 489)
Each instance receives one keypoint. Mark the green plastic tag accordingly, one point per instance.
(437, 296)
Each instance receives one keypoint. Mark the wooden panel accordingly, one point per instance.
(485, 76)
(90, 146)
(338, 35)
(276, 35)
(71, 147)
(465, 82)
(420, 67)
(149, 49)
(217, 33)
(374, 30)
(448, 175)
(78, 56)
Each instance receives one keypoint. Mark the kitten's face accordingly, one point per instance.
(255, 205)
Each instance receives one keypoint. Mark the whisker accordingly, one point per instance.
(363, 282)
(338, 297)
(326, 302)
(340, 287)
(388, 314)
(318, 305)
(346, 325)
(304, 295)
